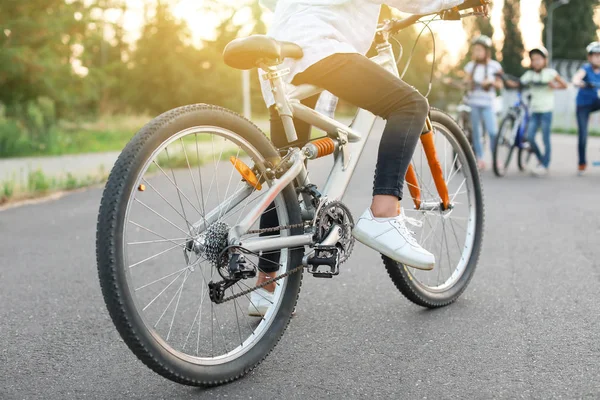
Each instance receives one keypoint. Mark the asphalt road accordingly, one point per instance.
(527, 327)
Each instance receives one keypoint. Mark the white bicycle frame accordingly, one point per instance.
(350, 140)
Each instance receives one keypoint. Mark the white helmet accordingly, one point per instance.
(483, 40)
(539, 50)
(593, 48)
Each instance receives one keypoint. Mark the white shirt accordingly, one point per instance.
(542, 97)
(481, 72)
(326, 27)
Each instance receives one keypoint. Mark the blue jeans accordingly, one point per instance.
(583, 120)
(488, 117)
(545, 121)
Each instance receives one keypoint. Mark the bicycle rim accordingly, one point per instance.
(449, 235)
(179, 184)
(504, 147)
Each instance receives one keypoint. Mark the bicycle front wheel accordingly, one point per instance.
(455, 235)
(504, 146)
(162, 230)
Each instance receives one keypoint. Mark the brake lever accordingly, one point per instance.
(451, 15)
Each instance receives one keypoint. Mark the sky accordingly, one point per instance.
(451, 34)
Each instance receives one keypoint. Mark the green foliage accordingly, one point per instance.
(38, 182)
(513, 49)
(577, 20)
(36, 41)
(8, 189)
(476, 27)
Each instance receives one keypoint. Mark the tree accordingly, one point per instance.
(36, 45)
(574, 28)
(162, 75)
(476, 27)
(513, 49)
(104, 51)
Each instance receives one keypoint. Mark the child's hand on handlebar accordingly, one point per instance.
(482, 9)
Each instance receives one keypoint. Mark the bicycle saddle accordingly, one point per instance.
(246, 53)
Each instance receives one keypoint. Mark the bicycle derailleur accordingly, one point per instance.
(333, 240)
(229, 261)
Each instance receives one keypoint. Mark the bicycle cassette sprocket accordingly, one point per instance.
(335, 213)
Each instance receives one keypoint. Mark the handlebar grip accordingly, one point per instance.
(471, 4)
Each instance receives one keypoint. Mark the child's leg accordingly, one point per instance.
(546, 131)
(476, 129)
(534, 125)
(583, 118)
(268, 264)
(489, 120)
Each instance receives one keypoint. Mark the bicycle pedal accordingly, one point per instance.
(328, 256)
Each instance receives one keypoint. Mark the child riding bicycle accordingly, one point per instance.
(335, 35)
(542, 81)
(588, 98)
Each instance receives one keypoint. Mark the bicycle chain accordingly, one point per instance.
(272, 280)
(276, 228)
(248, 291)
(285, 275)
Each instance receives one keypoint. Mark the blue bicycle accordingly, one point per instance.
(513, 131)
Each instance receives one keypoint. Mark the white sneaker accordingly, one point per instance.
(540, 170)
(260, 301)
(392, 238)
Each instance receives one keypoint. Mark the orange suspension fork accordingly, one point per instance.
(437, 173)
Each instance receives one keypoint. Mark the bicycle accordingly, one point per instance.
(597, 87)
(154, 271)
(463, 113)
(513, 132)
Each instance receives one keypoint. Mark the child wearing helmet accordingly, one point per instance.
(543, 80)
(482, 77)
(588, 98)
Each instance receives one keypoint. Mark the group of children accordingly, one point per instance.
(483, 77)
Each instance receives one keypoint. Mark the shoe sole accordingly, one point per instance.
(367, 241)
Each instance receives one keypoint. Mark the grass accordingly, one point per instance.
(591, 132)
(39, 184)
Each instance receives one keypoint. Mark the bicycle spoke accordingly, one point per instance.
(200, 178)
(159, 215)
(249, 299)
(229, 184)
(154, 256)
(191, 175)
(202, 296)
(157, 241)
(179, 192)
(161, 279)
(157, 234)
(162, 291)
(237, 318)
(167, 201)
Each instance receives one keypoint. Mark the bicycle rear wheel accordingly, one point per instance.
(525, 155)
(504, 146)
(454, 236)
(160, 237)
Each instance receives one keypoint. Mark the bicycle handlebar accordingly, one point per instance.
(397, 25)
(522, 86)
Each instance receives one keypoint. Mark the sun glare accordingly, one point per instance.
(451, 34)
